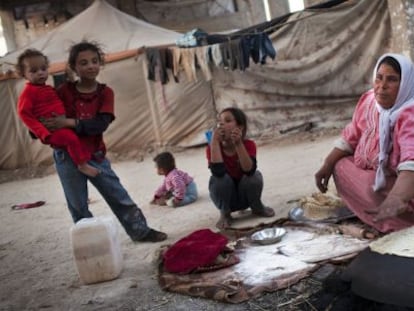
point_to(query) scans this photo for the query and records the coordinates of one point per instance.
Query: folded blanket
(198, 251)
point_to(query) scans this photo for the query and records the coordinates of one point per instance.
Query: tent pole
(153, 106)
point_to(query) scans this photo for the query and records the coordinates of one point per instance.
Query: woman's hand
(398, 198)
(57, 122)
(391, 207)
(322, 177)
(325, 172)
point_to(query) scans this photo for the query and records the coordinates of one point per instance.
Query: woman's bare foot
(224, 221)
(88, 170)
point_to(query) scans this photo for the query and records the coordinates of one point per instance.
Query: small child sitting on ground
(178, 188)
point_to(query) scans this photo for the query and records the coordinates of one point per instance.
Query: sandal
(27, 205)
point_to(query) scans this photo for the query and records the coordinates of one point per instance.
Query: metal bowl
(268, 236)
(297, 214)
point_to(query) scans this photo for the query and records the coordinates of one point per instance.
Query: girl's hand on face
(218, 134)
(236, 136)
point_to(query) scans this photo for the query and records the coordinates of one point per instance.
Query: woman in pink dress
(372, 163)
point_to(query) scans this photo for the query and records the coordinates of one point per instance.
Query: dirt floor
(37, 269)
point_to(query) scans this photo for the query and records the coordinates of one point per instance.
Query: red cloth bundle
(197, 249)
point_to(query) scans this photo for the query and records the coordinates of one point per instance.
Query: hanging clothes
(157, 64)
(202, 55)
(233, 53)
(188, 63)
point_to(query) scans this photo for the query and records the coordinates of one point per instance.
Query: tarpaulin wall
(324, 62)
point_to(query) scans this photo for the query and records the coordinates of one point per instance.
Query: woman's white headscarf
(388, 117)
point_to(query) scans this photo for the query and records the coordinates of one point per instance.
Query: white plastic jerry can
(96, 249)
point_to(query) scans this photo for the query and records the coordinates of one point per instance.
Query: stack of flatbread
(321, 206)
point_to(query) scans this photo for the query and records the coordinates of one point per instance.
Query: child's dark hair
(28, 53)
(239, 116)
(165, 160)
(84, 46)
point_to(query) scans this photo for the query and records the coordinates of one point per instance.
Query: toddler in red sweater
(39, 101)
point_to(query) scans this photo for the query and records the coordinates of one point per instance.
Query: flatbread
(323, 247)
(321, 206)
(400, 243)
